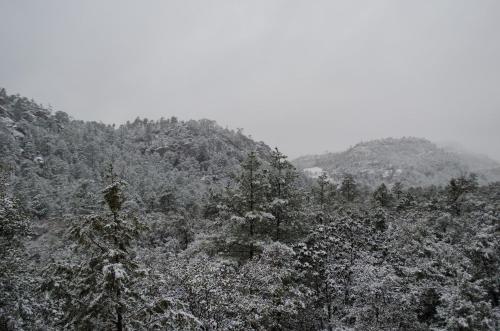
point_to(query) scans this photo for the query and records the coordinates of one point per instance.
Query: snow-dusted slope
(53, 157)
(413, 161)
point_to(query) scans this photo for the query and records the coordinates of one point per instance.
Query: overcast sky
(306, 76)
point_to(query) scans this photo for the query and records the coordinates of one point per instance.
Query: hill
(412, 161)
(56, 159)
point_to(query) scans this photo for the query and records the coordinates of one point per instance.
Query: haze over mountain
(412, 161)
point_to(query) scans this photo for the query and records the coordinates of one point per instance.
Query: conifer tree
(97, 291)
(348, 188)
(284, 201)
(248, 205)
(457, 188)
(321, 191)
(382, 196)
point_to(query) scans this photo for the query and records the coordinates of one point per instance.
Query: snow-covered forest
(184, 225)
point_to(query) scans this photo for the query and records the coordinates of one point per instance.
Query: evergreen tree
(348, 188)
(247, 203)
(382, 196)
(283, 193)
(457, 188)
(322, 191)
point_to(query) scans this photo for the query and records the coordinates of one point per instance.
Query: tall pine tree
(283, 195)
(247, 203)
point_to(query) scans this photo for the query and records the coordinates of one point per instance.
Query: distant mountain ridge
(53, 156)
(412, 161)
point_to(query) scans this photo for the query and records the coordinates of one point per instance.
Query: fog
(307, 76)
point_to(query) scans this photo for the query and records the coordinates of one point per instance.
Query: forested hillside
(55, 159)
(172, 225)
(412, 161)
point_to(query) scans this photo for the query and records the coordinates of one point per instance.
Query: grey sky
(307, 76)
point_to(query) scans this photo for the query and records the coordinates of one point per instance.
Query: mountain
(55, 159)
(412, 161)
(59, 163)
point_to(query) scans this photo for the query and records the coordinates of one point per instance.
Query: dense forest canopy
(184, 225)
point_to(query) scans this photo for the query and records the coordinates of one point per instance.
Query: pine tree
(284, 201)
(348, 188)
(98, 290)
(248, 204)
(457, 188)
(382, 196)
(321, 191)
